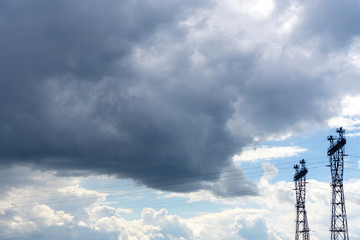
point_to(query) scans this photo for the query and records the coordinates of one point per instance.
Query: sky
(174, 119)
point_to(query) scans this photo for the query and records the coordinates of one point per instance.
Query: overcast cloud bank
(155, 91)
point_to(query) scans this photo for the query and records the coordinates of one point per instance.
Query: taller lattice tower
(339, 226)
(302, 226)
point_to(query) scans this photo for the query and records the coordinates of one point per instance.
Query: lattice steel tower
(339, 227)
(302, 227)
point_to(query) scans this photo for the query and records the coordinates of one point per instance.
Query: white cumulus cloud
(267, 153)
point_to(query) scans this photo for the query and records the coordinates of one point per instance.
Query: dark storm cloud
(138, 90)
(332, 22)
(71, 100)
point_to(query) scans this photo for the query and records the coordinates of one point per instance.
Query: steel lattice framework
(339, 226)
(302, 227)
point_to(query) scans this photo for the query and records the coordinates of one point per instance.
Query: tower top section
(340, 141)
(300, 171)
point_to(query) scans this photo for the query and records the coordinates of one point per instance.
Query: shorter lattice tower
(339, 227)
(302, 226)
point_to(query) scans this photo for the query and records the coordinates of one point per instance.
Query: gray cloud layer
(162, 90)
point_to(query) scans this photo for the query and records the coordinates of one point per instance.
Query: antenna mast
(302, 227)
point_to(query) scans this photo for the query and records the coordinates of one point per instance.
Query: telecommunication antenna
(302, 227)
(339, 226)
